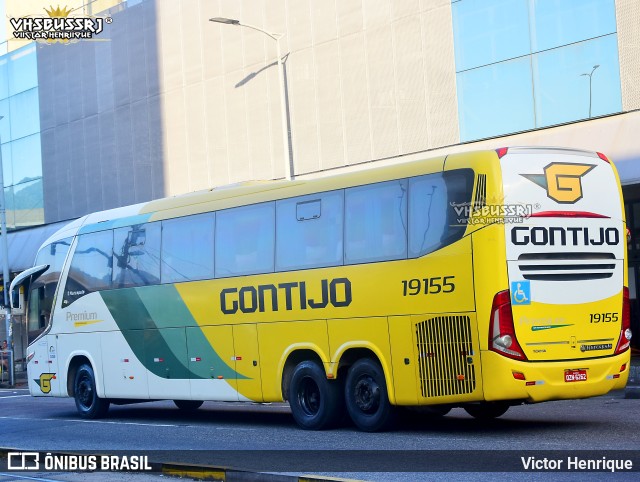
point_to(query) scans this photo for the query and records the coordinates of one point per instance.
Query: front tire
(316, 403)
(188, 405)
(366, 397)
(88, 403)
(487, 410)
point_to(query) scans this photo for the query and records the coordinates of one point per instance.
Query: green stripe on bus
(170, 333)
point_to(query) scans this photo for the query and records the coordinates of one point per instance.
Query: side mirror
(17, 300)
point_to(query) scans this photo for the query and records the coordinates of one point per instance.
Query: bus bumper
(545, 381)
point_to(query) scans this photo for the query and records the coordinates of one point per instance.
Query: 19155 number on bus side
(425, 286)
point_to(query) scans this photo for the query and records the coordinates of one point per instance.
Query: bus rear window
(433, 221)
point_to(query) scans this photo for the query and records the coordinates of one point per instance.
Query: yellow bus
(478, 280)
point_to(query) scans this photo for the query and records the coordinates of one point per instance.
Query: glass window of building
(25, 114)
(28, 205)
(22, 69)
(20, 135)
(572, 84)
(489, 31)
(496, 98)
(525, 64)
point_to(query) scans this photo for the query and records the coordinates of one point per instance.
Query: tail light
(625, 330)
(502, 334)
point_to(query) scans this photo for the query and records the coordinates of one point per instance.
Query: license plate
(575, 375)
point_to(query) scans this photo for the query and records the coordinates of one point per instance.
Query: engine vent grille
(444, 356)
(480, 199)
(566, 266)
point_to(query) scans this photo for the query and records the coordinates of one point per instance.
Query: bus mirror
(17, 300)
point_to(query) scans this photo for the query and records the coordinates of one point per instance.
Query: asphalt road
(605, 425)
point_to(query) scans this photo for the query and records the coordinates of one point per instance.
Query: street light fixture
(589, 75)
(288, 150)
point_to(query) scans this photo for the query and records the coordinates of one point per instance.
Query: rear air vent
(566, 266)
(480, 199)
(445, 353)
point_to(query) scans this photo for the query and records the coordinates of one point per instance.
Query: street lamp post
(288, 150)
(590, 75)
(5, 262)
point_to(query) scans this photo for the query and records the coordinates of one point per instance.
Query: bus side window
(136, 255)
(434, 221)
(42, 291)
(245, 239)
(376, 222)
(309, 231)
(187, 248)
(91, 266)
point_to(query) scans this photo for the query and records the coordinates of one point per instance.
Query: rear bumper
(545, 380)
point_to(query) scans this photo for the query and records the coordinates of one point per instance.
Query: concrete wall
(628, 20)
(174, 103)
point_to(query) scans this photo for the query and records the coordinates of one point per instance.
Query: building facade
(164, 101)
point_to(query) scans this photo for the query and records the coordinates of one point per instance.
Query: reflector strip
(158, 360)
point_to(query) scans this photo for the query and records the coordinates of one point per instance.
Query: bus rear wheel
(487, 410)
(188, 405)
(316, 403)
(366, 397)
(88, 403)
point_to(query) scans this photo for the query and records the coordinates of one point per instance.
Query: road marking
(13, 396)
(90, 421)
(24, 477)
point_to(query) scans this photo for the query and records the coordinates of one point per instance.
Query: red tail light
(625, 330)
(502, 334)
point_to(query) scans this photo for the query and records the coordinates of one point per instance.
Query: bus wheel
(316, 403)
(366, 396)
(88, 403)
(487, 410)
(188, 405)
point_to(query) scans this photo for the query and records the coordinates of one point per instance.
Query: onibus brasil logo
(60, 25)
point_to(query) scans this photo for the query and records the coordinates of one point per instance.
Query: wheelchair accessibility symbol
(521, 292)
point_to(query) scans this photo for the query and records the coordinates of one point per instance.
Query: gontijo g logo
(60, 25)
(562, 181)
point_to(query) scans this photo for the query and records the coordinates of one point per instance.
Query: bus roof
(250, 192)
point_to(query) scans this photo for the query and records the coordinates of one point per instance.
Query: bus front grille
(566, 266)
(445, 353)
